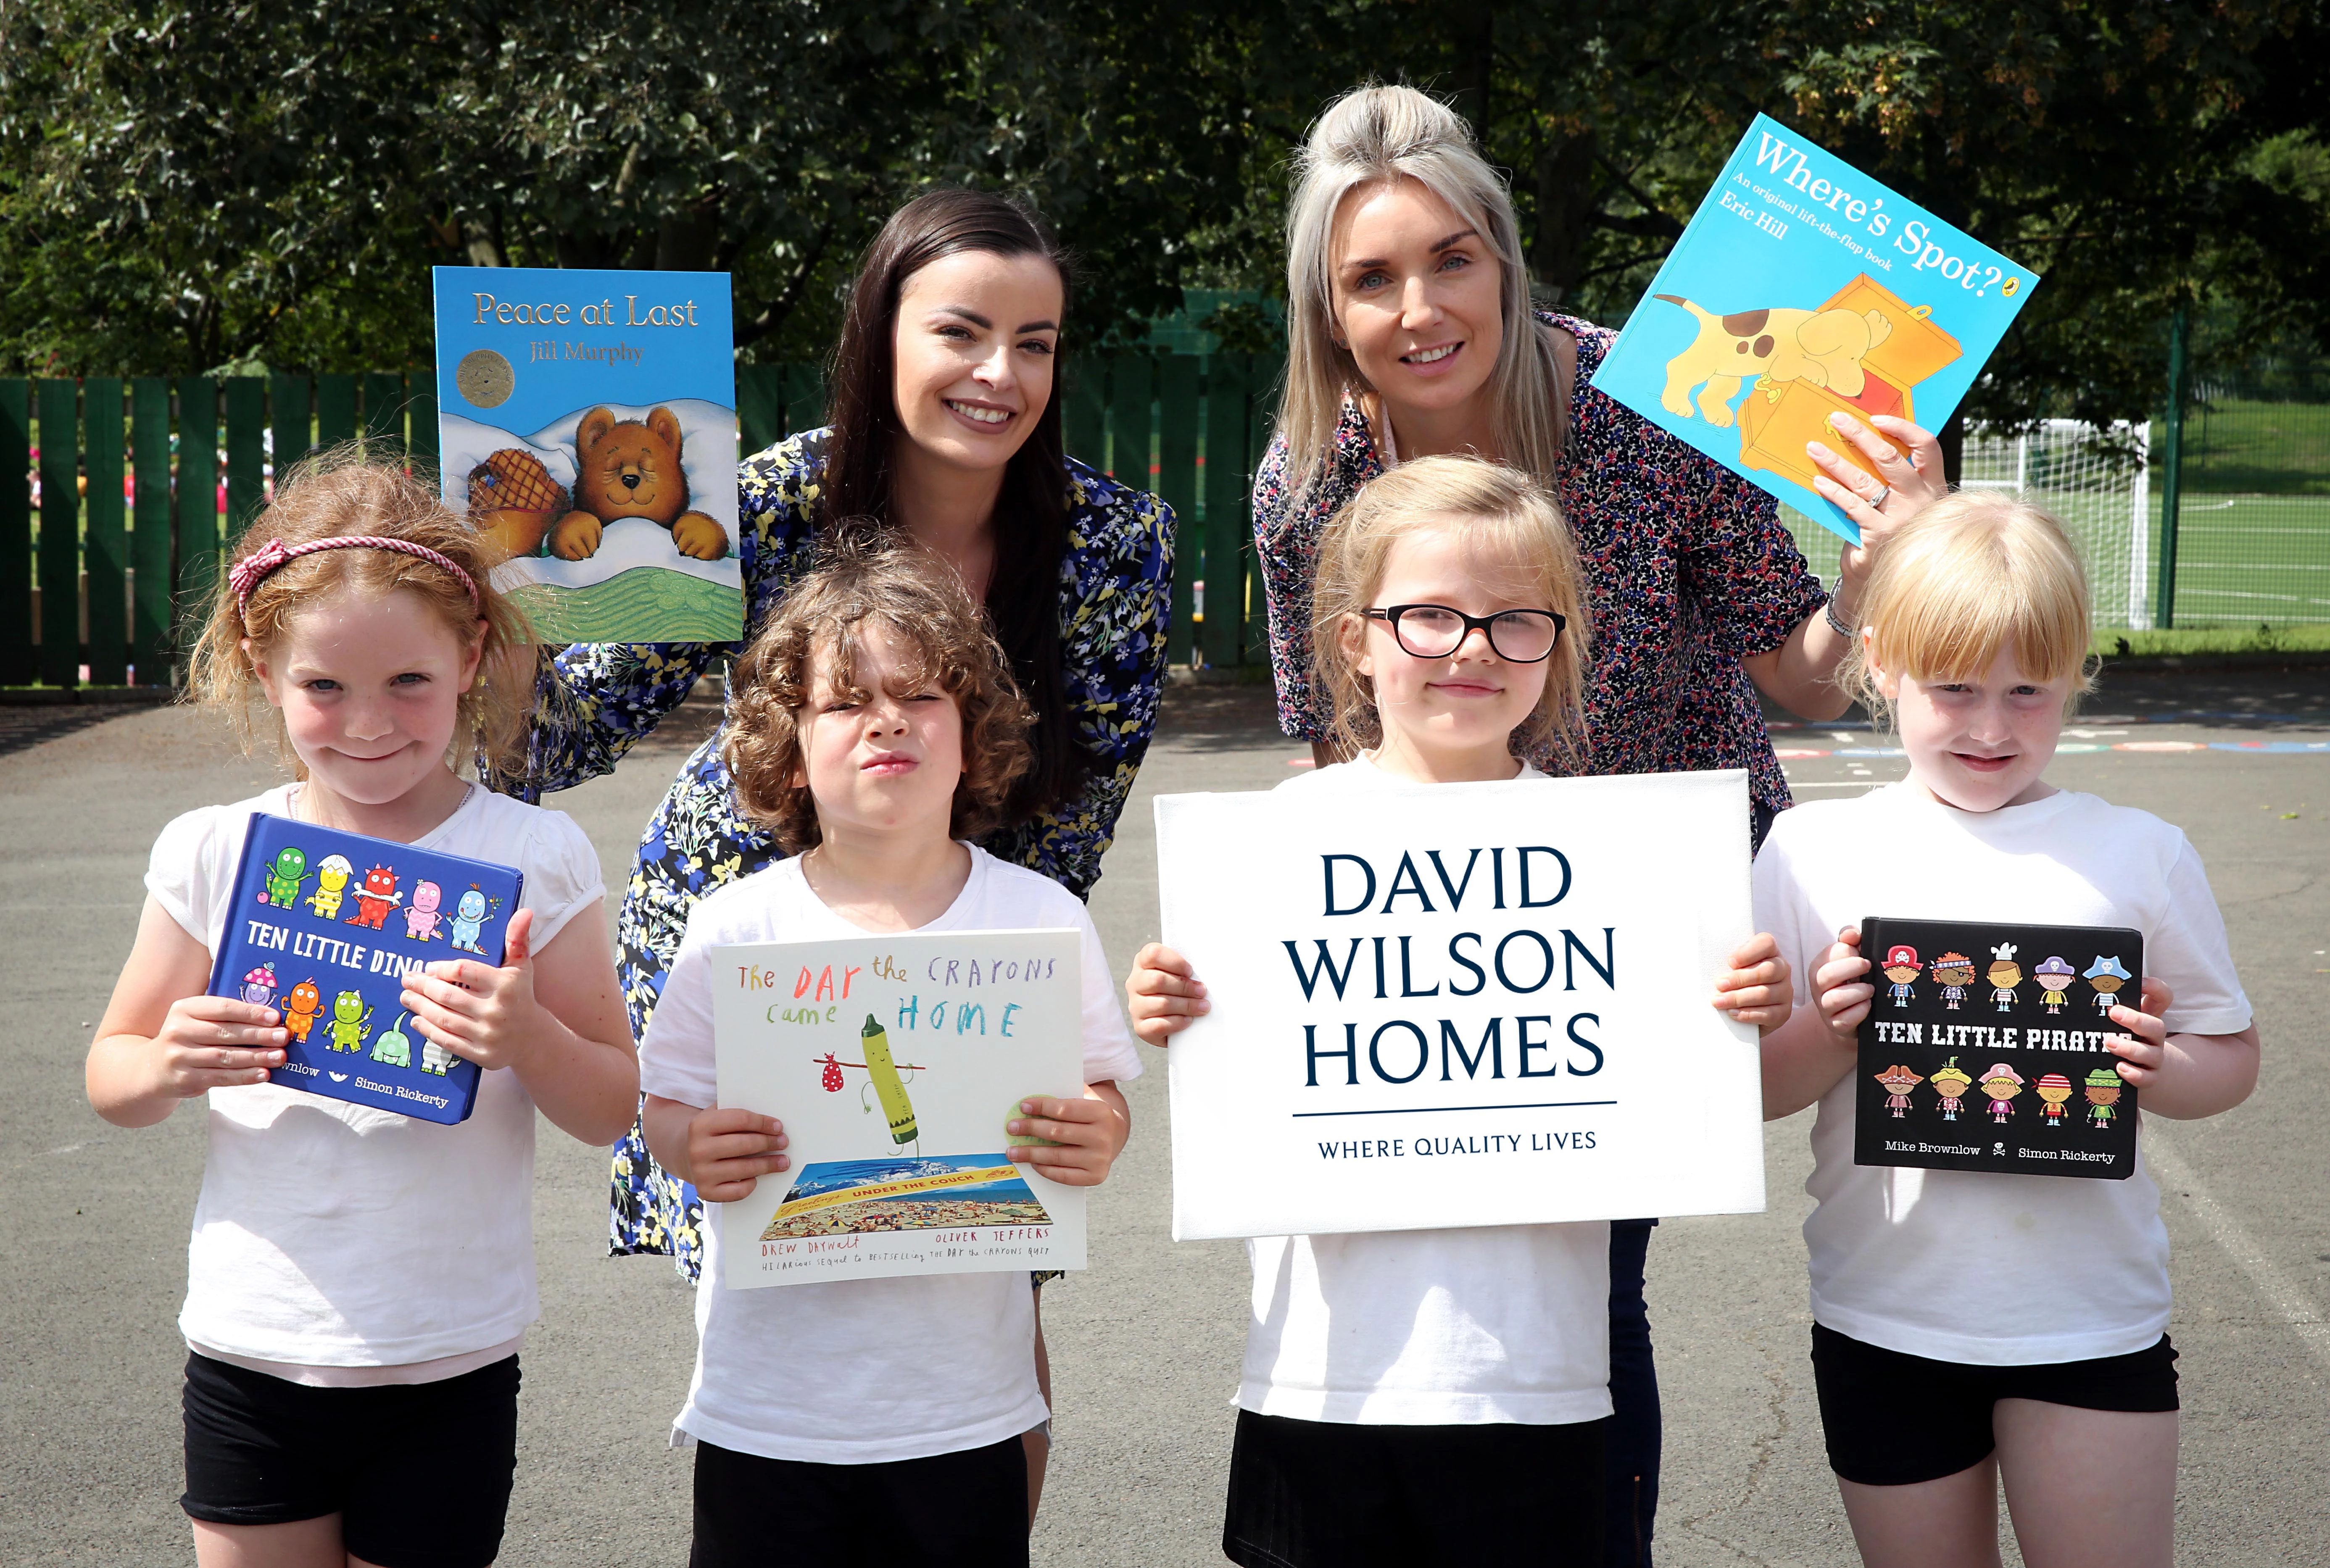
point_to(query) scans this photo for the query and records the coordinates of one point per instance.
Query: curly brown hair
(861, 578)
(333, 495)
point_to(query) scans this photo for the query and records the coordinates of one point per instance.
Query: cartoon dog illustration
(1824, 347)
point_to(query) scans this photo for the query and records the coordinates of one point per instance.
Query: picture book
(587, 421)
(1801, 287)
(1983, 1048)
(325, 927)
(893, 1062)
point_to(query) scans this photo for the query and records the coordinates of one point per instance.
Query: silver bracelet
(1835, 624)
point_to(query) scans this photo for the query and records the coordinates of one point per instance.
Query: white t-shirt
(1457, 1327)
(1995, 1269)
(862, 1371)
(335, 1243)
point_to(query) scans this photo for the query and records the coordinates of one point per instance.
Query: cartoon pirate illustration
(299, 1009)
(2054, 976)
(2103, 1089)
(2002, 1083)
(1955, 973)
(2108, 975)
(1951, 1082)
(2052, 1090)
(1898, 1081)
(375, 897)
(1901, 966)
(258, 986)
(284, 877)
(2004, 975)
(421, 920)
(331, 886)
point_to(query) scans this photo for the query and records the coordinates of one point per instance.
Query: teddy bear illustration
(1824, 347)
(632, 468)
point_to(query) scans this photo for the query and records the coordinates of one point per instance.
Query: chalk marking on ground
(2290, 1301)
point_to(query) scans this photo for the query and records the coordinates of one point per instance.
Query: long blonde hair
(1376, 135)
(1519, 536)
(1970, 575)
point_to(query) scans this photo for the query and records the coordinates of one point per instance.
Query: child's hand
(1163, 994)
(1084, 1135)
(1757, 988)
(2144, 1048)
(487, 1016)
(208, 1042)
(730, 1149)
(1843, 996)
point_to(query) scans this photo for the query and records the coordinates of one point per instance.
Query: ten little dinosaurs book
(893, 1062)
(587, 421)
(1802, 288)
(1983, 1048)
(324, 927)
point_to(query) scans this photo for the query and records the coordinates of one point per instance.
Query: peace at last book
(587, 422)
(1983, 1048)
(1800, 288)
(325, 927)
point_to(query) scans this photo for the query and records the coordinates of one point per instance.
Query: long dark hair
(1031, 534)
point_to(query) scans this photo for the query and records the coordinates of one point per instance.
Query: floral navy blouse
(597, 700)
(1687, 569)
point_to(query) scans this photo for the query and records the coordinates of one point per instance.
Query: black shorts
(419, 1473)
(1894, 1420)
(1318, 1494)
(959, 1510)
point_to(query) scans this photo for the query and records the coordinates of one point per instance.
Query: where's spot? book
(587, 422)
(1802, 287)
(1983, 1048)
(324, 927)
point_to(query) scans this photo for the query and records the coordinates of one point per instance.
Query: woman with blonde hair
(1411, 333)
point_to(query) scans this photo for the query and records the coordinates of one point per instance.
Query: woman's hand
(1903, 485)
(1757, 987)
(482, 1014)
(1083, 1136)
(1163, 994)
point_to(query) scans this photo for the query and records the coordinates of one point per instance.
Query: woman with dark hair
(945, 428)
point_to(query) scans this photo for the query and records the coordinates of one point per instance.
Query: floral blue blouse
(597, 700)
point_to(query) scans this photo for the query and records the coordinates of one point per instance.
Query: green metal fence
(117, 496)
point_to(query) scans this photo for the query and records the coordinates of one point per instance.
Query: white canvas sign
(1438, 1005)
(893, 1062)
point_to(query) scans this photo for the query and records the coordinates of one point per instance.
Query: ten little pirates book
(893, 1062)
(324, 927)
(1801, 287)
(587, 421)
(1983, 1048)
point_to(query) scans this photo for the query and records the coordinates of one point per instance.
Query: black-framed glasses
(1434, 631)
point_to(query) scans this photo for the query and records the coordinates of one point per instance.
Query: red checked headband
(254, 568)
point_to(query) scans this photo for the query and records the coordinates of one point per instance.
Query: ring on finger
(1884, 494)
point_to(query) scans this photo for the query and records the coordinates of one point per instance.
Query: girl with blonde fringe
(1972, 1329)
(359, 1283)
(1410, 332)
(1433, 1396)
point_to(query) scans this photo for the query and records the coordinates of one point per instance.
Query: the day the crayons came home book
(1802, 287)
(1983, 1048)
(325, 927)
(587, 421)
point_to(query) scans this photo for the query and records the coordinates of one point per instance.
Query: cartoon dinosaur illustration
(391, 1046)
(375, 897)
(258, 986)
(350, 1018)
(435, 1058)
(469, 917)
(331, 885)
(421, 920)
(299, 1009)
(283, 879)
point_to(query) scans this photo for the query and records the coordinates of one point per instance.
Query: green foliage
(189, 182)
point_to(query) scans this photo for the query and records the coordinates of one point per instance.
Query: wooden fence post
(760, 407)
(152, 630)
(1128, 421)
(336, 410)
(246, 451)
(291, 399)
(1177, 485)
(1083, 410)
(198, 533)
(1225, 634)
(58, 403)
(383, 395)
(18, 657)
(1261, 404)
(106, 553)
(422, 454)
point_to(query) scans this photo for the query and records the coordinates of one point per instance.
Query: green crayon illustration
(889, 1087)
